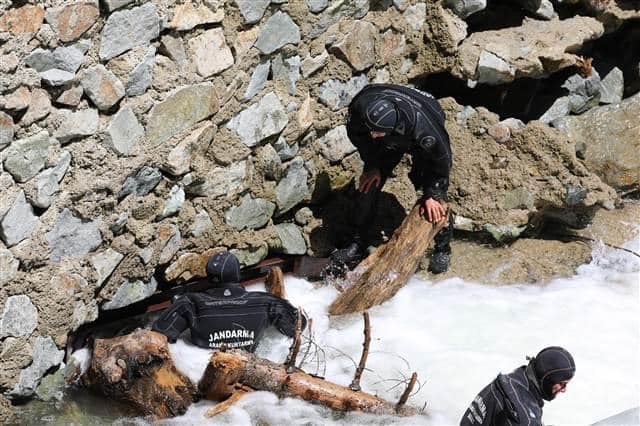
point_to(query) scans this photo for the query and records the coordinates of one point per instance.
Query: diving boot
(344, 260)
(439, 262)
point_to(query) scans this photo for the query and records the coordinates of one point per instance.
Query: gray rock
(124, 132)
(258, 80)
(337, 94)
(358, 45)
(173, 47)
(131, 292)
(71, 21)
(335, 144)
(26, 157)
(293, 188)
(252, 213)
(584, 93)
(72, 237)
(575, 195)
(278, 31)
(251, 255)
(6, 130)
(261, 120)
(272, 164)
(19, 317)
(288, 71)
(77, 124)
(561, 107)
(57, 77)
(201, 224)
(614, 159)
(102, 87)
(504, 233)
(339, 9)
(19, 222)
(141, 183)
(540, 8)
(284, 150)
(187, 16)
(48, 182)
(39, 107)
(612, 87)
(494, 70)
(465, 8)
(71, 97)
(210, 52)
(45, 356)
(416, 15)
(8, 266)
(252, 10)
(66, 58)
(118, 226)
(316, 6)
(105, 263)
(513, 123)
(220, 181)
(174, 202)
(312, 64)
(141, 76)
(180, 110)
(129, 28)
(291, 239)
(116, 4)
(145, 255)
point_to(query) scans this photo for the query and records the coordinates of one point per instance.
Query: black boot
(439, 262)
(343, 260)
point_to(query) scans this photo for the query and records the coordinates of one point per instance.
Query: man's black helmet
(381, 115)
(552, 366)
(223, 269)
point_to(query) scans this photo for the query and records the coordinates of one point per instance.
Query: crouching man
(226, 314)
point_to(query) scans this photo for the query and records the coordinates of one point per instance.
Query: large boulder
(534, 49)
(608, 138)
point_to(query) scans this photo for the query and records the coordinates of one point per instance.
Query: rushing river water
(457, 336)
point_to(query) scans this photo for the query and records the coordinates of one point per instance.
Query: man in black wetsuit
(385, 122)
(517, 398)
(227, 314)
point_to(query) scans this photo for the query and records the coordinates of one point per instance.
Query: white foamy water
(458, 336)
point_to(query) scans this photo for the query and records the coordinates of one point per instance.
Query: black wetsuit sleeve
(485, 409)
(176, 319)
(283, 316)
(359, 136)
(432, 153)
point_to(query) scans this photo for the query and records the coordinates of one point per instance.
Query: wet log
(226, 369)
(274, 282)
(137, 369)
(378, 277)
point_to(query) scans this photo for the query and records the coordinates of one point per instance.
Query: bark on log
(378, 277)
(274, 282)
(137, 369)
(262, 374)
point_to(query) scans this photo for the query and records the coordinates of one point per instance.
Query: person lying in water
(226, 314)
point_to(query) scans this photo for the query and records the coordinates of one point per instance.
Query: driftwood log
(137, 369)
(378, 277)
(225, 369)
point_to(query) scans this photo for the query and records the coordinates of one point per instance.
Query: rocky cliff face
(135, 135)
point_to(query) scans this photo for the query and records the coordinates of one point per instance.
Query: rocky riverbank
(134, 134)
